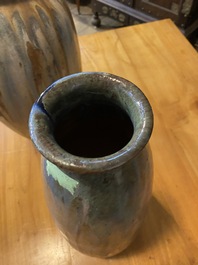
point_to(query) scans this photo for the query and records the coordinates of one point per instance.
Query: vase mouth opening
(91, 121)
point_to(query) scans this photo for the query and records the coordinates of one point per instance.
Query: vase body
(38, 46)
(97, 192)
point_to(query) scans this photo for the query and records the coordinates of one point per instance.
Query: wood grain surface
(157, 58)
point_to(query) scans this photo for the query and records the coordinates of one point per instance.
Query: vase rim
(42, 136)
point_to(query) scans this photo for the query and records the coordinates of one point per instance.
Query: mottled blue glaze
(97, 203)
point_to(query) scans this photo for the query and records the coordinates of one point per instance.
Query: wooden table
(157, 58)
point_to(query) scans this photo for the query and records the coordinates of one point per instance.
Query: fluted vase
(38, 46)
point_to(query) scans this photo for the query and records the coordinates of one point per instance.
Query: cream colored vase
(38, 46)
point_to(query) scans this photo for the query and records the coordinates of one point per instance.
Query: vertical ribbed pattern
(38, 45)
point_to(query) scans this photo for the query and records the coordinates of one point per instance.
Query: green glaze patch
(63, 179)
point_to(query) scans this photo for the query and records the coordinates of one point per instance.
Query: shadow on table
(157, 222)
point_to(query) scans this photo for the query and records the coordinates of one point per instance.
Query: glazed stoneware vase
(38, 46)
(92, 130)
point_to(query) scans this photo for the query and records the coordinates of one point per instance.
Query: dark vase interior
(93, 128)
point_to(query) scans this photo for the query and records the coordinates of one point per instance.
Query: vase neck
(91, 121)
